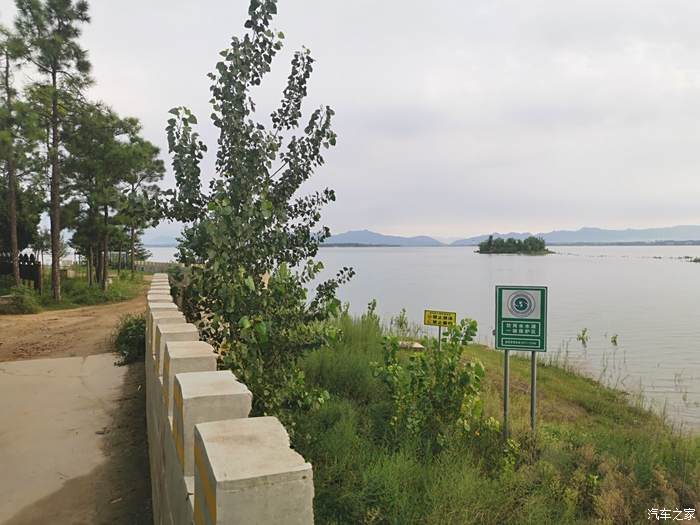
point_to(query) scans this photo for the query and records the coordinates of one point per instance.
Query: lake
(649, 296)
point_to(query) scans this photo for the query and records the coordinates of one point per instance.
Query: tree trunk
(131, 250)
(11, 178)
(89, 265)
(105, 250)
(119, 259)
(98, 262)
(55, 195)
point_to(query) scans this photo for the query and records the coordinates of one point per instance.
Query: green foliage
(583, 337)
(461, 334)
(112, 174)
(21, 198)
(435, 395)
(252, 237)
(594, 459)
(48, 32)
(21, 300)
(77, 292)
(129, 338)
(30, 205)
(531, 245)
(347, 373)
(401, 327)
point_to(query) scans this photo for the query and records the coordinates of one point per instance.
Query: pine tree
(8, 51)
(49, 30)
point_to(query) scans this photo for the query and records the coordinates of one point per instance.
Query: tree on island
(530, 246)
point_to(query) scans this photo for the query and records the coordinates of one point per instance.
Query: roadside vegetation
(597, 456)
(129, 339)
(74, 159)
(530, 246)
(76, 292)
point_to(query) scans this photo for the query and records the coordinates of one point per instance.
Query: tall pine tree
(50, 30)
(8, 49)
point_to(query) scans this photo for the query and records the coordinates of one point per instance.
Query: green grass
(597, 457)
(75, 293)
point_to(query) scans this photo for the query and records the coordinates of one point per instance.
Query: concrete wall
(211, 463)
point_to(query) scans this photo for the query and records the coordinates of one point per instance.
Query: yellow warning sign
(438, 318)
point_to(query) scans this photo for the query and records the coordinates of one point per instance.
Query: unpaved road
(63, 333)
(72, 434)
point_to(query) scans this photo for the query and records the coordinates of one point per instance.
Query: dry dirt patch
(78, 332)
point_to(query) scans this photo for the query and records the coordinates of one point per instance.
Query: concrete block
(159, 305)
(174, 484)
(171, 332)
(200, 397)
(154, 394)
(153, 307)
(180, 357)
(246, 473)
(167, 317)
(159, 298)
(157, 317)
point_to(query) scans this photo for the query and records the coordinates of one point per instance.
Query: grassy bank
(75, 293)
(597, 457)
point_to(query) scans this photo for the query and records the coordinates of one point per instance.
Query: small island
(530, 246)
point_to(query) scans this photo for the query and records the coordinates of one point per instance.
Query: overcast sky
(456, 117)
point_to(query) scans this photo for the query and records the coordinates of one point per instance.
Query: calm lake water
(648, 296)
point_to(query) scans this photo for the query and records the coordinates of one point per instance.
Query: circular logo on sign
(521, 304)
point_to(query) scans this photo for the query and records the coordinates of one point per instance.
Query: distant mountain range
(669, 235)
(366, 237)
(672, 234)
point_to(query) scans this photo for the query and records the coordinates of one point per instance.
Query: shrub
(20, 301)
(434, 396)
(129, 338)
(343, 368)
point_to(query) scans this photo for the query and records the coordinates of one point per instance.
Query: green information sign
(521, 318)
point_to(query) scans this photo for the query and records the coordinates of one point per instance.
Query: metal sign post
(533, 390)
(506, 389)
(439, 318)
(521, 324)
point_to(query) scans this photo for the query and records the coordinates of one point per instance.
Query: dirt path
(73, 435)
(63, 333)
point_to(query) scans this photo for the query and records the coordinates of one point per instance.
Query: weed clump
(21, 300)
(129, 338)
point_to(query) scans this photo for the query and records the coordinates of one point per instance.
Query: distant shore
(630, 243)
